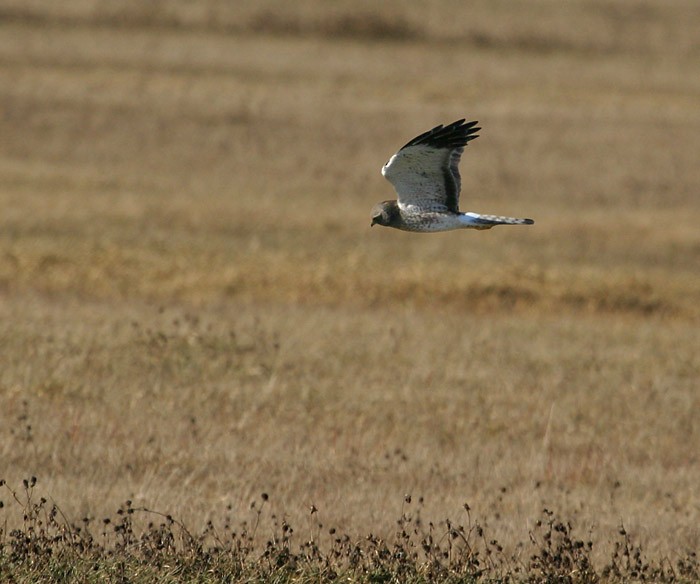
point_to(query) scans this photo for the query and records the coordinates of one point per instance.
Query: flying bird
(425, 175)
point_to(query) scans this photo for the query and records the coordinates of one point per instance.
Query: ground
(194, 309)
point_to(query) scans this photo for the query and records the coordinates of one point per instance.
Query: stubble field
(194, 310)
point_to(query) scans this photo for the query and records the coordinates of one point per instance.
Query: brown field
(194, 310)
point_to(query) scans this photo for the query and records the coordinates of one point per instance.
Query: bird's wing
(425, 171)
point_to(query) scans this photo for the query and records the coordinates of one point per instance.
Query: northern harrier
(425, 174)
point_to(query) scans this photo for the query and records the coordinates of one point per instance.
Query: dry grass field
(194, 310)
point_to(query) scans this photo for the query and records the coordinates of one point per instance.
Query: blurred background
(194, 309)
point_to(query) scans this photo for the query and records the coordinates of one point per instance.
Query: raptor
(425, 175)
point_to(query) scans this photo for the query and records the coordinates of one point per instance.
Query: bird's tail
(478, 221)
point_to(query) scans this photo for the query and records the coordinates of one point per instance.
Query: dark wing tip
(528, 221)
(454, 135)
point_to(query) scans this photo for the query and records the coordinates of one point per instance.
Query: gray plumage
(425, 175)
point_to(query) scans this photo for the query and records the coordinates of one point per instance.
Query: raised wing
(425, 171)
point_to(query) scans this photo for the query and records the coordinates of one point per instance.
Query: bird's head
(385, 213)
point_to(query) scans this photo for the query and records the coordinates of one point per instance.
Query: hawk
(425, 175)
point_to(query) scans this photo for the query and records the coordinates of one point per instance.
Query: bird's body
(425, 174)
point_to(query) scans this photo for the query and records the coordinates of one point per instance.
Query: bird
(425, 175)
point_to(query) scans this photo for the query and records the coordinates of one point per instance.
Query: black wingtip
(454, 135)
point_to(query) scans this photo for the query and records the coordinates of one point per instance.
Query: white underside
(471, 219)
(438, 218)
(432, 221)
